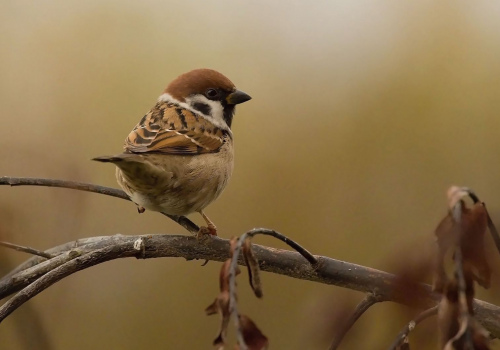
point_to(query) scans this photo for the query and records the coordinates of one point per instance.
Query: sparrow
(179, 157)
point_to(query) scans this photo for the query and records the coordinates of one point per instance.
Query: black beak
(237, 97)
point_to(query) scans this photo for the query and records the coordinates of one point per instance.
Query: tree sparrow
(179, 158)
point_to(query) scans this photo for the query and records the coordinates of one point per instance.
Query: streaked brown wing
(169, 129)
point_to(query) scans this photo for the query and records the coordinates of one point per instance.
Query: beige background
(363, 113)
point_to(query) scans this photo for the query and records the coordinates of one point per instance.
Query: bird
(180, 156)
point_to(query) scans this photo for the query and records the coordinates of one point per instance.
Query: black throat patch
(228, 113)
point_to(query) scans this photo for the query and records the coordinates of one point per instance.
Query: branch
(233, 305)
(66, 269)
(81, 186)
(37, 274)
(283, 262)
(368, 301)
(28, 250)
(403, 335)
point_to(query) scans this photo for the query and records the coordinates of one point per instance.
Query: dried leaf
(448, 313)
(452, 326)
(474, 225)
(470, 234)
(253, 268)
(456, 194)
(411, 266)
(254, 339)
(479, 337)
(221, 303)
(221, 306)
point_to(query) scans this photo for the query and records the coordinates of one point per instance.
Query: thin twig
(58, 251)
(26, 249)
(459, 272)
(403, 335)
(267, 232)
(81, 186)
(368, 301)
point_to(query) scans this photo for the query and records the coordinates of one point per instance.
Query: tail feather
(132, 164)
(107, 159)
(118, 158)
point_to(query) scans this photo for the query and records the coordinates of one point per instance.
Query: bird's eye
(212, 93)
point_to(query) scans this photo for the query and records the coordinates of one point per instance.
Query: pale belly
(179, 185)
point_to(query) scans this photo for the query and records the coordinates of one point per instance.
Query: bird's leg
(210, 229)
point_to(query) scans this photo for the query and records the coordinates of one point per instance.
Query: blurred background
(363, 114)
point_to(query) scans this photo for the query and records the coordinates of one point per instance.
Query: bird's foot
(211, 230)
(140, 209)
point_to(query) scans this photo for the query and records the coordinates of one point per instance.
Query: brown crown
(197, 82)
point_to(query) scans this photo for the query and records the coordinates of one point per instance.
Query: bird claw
(140, 210)
(210, 230)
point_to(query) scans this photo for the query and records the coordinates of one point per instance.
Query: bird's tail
(116, 159)
(134, 166)
(108, 159)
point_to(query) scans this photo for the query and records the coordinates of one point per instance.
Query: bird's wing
(170, 129)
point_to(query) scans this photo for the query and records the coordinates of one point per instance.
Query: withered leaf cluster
(225, 303)
(460, 262)
(461, 233)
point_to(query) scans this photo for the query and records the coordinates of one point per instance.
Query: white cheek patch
(216, 116)
(216, 109)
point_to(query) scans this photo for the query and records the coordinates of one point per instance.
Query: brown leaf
(452, 326)
(478, 337)
(254, 339)
(221, 303)
(455, 194)
(221, 306)
(469, 233)
(411, 266)
(448, 313)
(253, 268)
(474, 225)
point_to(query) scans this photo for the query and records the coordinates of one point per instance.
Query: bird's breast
(186, 183)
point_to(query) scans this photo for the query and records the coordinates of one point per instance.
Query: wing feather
(170, 129)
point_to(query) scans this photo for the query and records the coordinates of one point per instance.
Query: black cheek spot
(202, 107)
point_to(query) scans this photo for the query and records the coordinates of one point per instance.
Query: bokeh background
(363, 114)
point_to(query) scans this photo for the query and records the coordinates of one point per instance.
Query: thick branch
(292, 264)
(38, 274)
